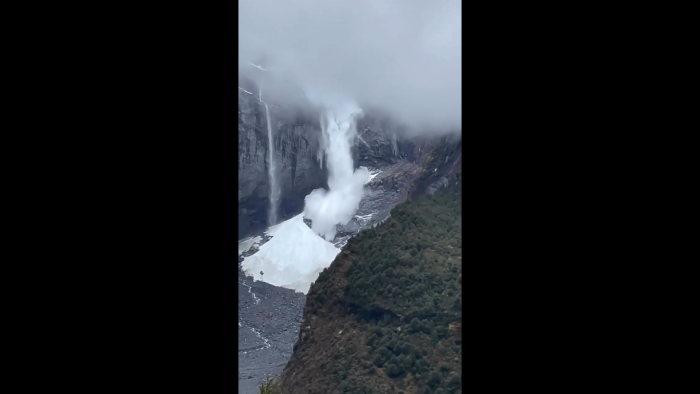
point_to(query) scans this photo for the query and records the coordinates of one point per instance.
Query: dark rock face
(444, 160)
(296, 147)
(378, 144)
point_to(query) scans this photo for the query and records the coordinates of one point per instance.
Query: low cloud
(401, 56)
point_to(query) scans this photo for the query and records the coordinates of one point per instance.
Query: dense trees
(408, 273)
(404, 289)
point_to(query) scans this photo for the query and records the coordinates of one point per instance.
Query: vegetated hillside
(386, 316)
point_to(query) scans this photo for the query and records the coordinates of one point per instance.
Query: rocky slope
(268, 324)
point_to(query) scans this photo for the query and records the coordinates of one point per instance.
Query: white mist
(326, 209)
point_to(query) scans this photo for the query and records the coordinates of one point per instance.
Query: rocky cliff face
(296, 138)
(378, 143)
(296, 147)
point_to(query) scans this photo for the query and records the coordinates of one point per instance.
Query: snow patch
(364, 217)
(245, 90)
(258, 67)
(272, 230)
(293, 258)
(373, 172)
(246, 244)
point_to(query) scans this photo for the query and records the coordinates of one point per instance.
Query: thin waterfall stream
(271, 167)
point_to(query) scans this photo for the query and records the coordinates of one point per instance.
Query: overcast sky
(403, 56)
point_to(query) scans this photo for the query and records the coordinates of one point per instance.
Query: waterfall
(338, 204)
(272, 169)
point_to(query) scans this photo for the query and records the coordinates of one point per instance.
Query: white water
(272, 171)
(327, 209)
(361, 139)
(271, 164)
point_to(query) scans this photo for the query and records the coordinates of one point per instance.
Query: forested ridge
(386, 316)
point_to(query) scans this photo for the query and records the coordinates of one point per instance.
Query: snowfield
(293, 258)
(246, 244)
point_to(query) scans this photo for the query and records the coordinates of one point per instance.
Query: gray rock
(296, 146)
(435, 186)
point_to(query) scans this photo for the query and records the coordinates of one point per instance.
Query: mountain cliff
(296, 146)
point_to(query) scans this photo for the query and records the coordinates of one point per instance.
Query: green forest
(403, 288)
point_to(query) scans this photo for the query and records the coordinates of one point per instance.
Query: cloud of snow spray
(326, 209)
